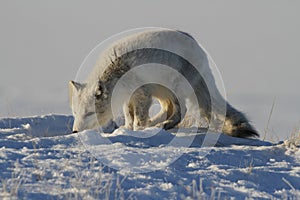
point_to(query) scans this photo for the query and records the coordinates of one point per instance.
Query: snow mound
(41, 159)
(38, 126)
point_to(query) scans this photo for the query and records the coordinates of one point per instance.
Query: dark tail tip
(75, 132)
(246, 133)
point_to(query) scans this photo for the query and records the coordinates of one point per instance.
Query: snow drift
(40, 158)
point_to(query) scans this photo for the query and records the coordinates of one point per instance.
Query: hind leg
(174, 113)
(171, 113)
(161, 116)
(176, 117)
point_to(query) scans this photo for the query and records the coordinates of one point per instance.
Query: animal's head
(89, 105)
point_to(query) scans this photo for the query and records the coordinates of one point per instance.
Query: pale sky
(255, 45)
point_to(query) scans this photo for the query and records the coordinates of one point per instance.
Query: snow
(41, 159)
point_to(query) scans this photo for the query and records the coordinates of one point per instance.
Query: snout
(78, 125)
(75, 129)
(84, 124)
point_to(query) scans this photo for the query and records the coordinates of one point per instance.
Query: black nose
(75, 131)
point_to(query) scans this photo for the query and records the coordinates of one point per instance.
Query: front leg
(141, 114)
(128, 113)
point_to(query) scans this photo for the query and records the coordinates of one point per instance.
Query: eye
(89, 114)
(99, 91)
(98, 95)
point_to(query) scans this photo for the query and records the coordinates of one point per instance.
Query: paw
(165, 125)
(159, 125)
(138, 128)
(129, 127)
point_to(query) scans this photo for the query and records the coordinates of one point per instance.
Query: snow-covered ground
(41, 159)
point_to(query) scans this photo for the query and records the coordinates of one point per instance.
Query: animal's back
(164, 46)
(176, 42)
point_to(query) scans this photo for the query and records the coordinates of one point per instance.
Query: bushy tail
(236, 124)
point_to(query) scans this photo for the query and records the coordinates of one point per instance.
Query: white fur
(89, 112)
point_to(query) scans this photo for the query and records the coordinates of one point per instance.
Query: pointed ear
(73, 87)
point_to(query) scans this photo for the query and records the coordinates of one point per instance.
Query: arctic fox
(91, 101)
